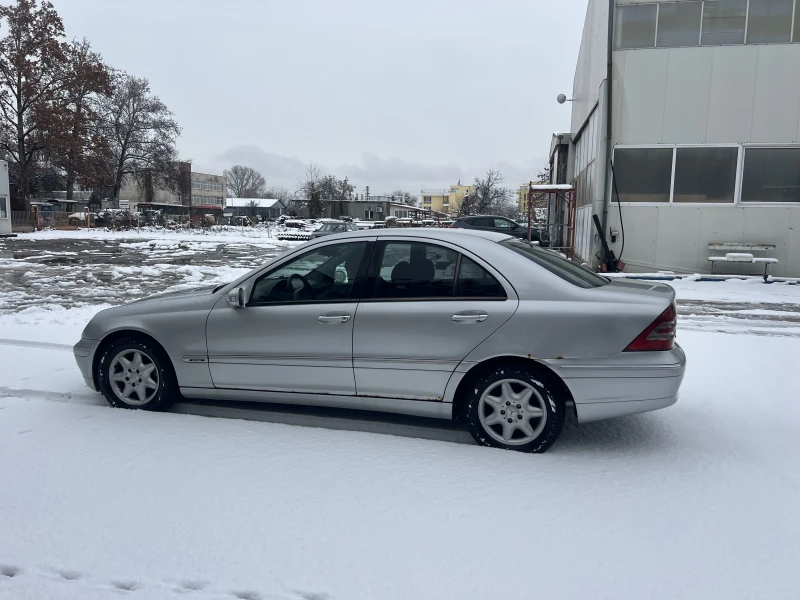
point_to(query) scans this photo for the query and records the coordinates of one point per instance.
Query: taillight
(659, 335)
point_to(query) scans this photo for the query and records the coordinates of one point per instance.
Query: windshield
(566, 269)
(332, 227)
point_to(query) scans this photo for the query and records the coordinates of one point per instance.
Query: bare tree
(404, 197)
(252, 205)
(244, 182)
(488, 197)
(32, 74)
(280, 194)
(141, 131)
(310, 188)
(83, 151)
(543, 176)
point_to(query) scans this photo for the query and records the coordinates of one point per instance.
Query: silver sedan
(476, 326)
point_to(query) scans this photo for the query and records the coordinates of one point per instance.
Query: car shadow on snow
(645, 432)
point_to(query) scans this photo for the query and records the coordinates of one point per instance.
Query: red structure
(561, 214)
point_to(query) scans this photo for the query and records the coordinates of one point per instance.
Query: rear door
(428, 305)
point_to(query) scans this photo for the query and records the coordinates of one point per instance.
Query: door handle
(333, 319)
(469, 317)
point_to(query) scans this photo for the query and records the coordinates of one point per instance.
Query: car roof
(435, 233)
(486, 216)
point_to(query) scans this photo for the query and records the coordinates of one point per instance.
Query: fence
(22, 220)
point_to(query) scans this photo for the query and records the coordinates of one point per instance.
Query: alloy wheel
(512, 412)
(133, 376)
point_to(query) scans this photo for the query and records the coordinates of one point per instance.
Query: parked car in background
(331, 227)
(446, 323)
(503, 225)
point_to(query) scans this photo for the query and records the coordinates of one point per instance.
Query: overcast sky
(400, 93)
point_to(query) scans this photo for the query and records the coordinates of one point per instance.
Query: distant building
(445, 200)
(208, 190)
(267, 208)
(377, 208)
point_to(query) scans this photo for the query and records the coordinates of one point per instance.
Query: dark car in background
(331, 227)
(503, 225)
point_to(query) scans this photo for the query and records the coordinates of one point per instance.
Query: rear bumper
(624, 385)
(84, 356)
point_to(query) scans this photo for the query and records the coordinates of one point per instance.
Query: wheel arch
(460, 395)
(115, 336)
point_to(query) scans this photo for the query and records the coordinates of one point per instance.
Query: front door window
(324, 274)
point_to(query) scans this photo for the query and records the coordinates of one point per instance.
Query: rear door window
(415, 270)
(476, 282)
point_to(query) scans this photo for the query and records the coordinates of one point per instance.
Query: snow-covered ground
(696, 501)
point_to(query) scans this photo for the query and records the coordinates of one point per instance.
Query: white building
(703, 131)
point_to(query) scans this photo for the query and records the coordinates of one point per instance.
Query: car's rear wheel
(134, 373)
(515, 408)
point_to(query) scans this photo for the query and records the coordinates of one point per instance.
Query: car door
(425, 309)
(295, 332)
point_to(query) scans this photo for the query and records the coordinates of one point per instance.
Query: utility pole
(530, 197)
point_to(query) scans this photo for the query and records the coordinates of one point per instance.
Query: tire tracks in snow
(29, 344)
(60, 582)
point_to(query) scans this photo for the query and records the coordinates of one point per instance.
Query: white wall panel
(687, 94)
(677, 237)
(793, 243)
(777, 94)
(730, 104)
(617, 95)
(590, 70)
(643, 96)
(641, 228)
(583, 233)
(677, 241)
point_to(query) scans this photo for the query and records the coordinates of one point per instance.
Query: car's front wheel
(135, 373)
(515, 408)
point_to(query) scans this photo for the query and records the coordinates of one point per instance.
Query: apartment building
(445, 200)
(208, 190)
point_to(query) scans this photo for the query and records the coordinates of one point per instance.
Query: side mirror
(236, 297)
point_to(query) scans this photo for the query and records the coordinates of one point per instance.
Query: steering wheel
(306, 286)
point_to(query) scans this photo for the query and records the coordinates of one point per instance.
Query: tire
(496, 409)
(122, 393)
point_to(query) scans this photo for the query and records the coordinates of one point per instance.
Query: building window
(426, 199)
(679, 24)
(769, 21)
(635, 26)
(797, 22)
(771, 175)
(724, 22)
(642, 174)
(705, 174)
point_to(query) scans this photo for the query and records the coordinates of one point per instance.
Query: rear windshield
(332, 227)
(566, 269)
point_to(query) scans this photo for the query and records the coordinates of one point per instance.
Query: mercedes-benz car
(481, 327)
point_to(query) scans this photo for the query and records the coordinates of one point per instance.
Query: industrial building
(697, 105)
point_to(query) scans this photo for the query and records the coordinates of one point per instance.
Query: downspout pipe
(608, 108)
